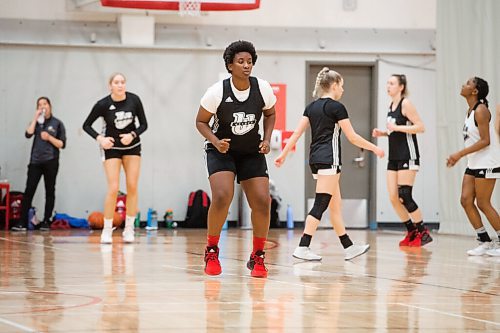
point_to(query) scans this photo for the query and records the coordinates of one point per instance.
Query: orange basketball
(96, 220)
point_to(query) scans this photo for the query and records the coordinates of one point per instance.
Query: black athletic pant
(35, 171)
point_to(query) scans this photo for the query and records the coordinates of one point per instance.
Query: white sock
(108, 223)
(129, 221)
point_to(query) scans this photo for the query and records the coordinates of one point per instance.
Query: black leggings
(35, 171)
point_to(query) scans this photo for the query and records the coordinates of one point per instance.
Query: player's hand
(45, 136)
(126, 139)
(379, 152)
(222, 145)
(264, 147)
(392, 127)
(106, 142)
(378, 133)
(453, 159)
(280, 160)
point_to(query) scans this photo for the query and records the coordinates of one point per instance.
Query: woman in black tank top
(327, 118)
(235, 149)
(403, 123)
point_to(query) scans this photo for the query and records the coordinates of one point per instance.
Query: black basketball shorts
(244, 166)
(119, 153)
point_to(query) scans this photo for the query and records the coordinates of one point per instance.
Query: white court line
(245, 277)
(450, 314)
(16, 325)
(35, 244)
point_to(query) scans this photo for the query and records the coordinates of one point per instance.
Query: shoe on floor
(107, 235)
(354, 251)
(480, 250)
(128, 235)
(212, 263)
(18, 227)
(410, 236)
(256, 264)
(44, 226)
(305, 253)
(421, 238)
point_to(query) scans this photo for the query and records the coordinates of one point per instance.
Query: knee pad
(320, 205)
(404, 192)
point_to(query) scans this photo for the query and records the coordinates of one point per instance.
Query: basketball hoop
(189, 7)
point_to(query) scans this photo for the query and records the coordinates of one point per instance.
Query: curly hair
(237, 47)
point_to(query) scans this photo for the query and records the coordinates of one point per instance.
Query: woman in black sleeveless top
(403, 124)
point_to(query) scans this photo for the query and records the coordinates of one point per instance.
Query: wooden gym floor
(66, 281)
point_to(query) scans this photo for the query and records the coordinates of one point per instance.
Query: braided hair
(326, 77)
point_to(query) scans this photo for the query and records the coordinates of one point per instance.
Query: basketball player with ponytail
(403, 125)
(121, 146)
(327, 118)
(483, 165)
(234, 149)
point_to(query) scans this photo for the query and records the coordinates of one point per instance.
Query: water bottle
(225, 226)
(169, 218)
(41, 117)
(154, 220)
(151, 217)
(289, 217)
(137, 221)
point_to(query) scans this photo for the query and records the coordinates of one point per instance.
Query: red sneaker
(256, 264)
(421, 239)
(212, 263)
(410, 236)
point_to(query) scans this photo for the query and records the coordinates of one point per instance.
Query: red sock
(258, 243)
(212, 240)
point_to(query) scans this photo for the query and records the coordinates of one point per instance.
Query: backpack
(197, 211)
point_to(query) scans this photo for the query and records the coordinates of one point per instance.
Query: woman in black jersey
(403, 124)
(121, 147)
(234, 149)
(327, 118)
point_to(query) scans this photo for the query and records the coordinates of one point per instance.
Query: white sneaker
(305, 253)
(494, 250)
(107, 235)
(480, 250)
(355, 250)
(128, 235)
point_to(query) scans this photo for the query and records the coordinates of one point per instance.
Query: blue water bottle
(149, 218)
(289, 217)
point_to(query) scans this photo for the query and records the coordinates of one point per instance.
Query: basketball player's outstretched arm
(409, 111)
(301, 127)
(202, 119)
(482, 117)
(357, 140)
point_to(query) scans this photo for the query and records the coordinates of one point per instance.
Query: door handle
(360, 160)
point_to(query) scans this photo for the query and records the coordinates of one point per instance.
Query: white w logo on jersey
(243, 123)
(123, 119)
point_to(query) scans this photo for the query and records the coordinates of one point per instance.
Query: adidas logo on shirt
(112, 107)
(229, 99)
(405, 165)
(481, 172)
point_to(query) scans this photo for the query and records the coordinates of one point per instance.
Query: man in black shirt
(49, 136)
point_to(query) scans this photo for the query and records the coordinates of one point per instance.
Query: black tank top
(239, 121)
(402, 146)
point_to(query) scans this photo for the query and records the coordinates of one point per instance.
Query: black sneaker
(18, 227)
(44, 226)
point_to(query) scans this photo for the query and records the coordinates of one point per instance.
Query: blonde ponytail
(326, 77)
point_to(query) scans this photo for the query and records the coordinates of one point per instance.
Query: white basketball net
(190, 7)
